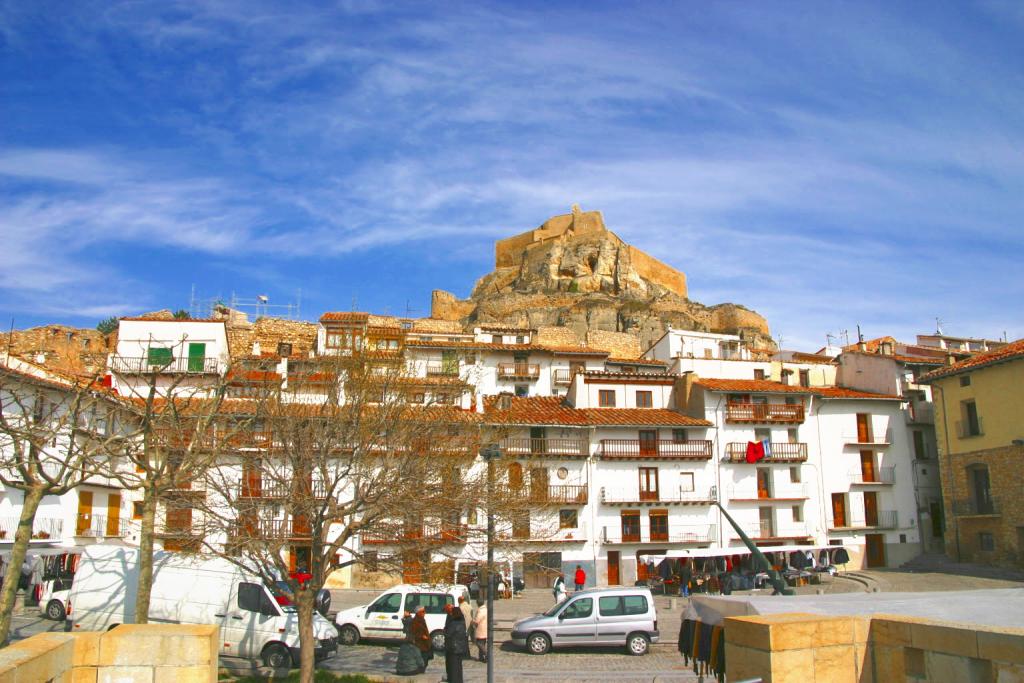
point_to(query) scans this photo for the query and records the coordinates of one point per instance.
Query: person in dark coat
(419, 633)
(456, 643)
(409, 661)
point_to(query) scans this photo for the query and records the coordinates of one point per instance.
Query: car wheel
(538, 644)
(348, 635)
(437, 639)
(637, 644)
(55, 610)
(276, 656)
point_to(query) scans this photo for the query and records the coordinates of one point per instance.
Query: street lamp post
(490, 453)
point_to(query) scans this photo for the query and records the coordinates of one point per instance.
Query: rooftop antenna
(938, 327)
(860, 337)
(10, 340)
(409, 310)
(353, 303)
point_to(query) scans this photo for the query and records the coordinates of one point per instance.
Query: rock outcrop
(573, 272)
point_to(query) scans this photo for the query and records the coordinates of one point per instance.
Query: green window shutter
(159, 356)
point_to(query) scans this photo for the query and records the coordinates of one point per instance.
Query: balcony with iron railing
(782, 452)
(561, 376)
(683, 534)
(878, 476)
(381, 534)
(43, 528)
(634, 496)
(519, 371)
(765, 413)
(973, 507)
(141, 365)
(664, 449)
(767, 530)
(562, 448)
(783, 493)
(101, 526)
(872, 438)
(560, 494)
(298, 529)
(883, 519)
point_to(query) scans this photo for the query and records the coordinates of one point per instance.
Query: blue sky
(826, 164)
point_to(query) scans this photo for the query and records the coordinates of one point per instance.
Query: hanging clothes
(755, 451)
(840, 556)
(766, 448)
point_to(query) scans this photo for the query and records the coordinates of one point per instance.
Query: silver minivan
(599, 616)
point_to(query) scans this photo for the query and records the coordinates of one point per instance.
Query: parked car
(598, 616)
(188, 590)
(382, 618)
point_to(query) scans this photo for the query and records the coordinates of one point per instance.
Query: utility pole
(490, 453)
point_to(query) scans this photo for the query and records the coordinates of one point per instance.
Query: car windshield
(554, 610)
(280, 592)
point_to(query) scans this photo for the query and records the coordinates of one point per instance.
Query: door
(540, 569)
(863, 428)
(982, 490)
(539, 487)
(114, 514)
(84, 522)
(618, 615)
(196, 357)
(576, 623)
(449, 362)
(867, 466)
(764, 482)
(874, 545)
(538, 441)
(383, 618)
(515, 476)
(252, 479)
(648, 442)
(767, 520)
(871, 508)
(649, 483)
(613, 567)
(838, 510)
(250, 614)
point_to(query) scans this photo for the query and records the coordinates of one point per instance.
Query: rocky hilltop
(573, 272)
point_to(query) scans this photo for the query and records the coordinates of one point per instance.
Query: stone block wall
(140, 653)
(1006, 522)
(657, 272)
(780, 648)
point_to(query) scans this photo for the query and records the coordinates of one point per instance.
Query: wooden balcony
(555, 494)
(765, 413)
(880, 476)
(695, 534)
(292, 529)
(662, 449)
(781, 452)
(386, 534)
(561, 448)
(443, 369)
(635, 497)
(273, 489)
(519, 371)
(140, 365)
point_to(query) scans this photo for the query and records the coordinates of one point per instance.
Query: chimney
(504, 401)
(886, 348)
(683, 387)
(950, 359)
(861, 346)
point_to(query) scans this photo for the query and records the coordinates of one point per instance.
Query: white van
(189, 590)
(382, 618)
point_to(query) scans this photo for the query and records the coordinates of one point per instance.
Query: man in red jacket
(581, 578)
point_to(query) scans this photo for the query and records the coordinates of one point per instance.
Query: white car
(382, 618)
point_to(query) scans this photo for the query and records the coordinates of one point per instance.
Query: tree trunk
(22, 536)
(307, 641)
(146, 532)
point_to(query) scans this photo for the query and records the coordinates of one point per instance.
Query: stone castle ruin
(573, 272)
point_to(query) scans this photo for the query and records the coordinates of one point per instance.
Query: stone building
(979, 421)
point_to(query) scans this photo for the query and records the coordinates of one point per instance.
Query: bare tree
(178, 431)
(335, 461)
(55, 434)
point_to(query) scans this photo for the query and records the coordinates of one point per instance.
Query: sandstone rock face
(590, 280)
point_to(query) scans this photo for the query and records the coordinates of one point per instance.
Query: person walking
(419, 632)
(466, 609)
(558, 589)
(456, 644)
(480, 632)
(580, 579)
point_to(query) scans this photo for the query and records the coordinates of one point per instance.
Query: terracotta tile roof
(552, 410)
(902, 358)
(1011, 351)
(801, 357)
(843, 392)
(637, 361)
(633, 377)
(758, 386)
(344, 317)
